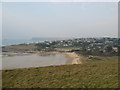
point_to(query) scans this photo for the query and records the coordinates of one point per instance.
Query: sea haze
(27, 20)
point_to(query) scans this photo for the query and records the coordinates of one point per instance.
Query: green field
(22, 47)
(91, 74)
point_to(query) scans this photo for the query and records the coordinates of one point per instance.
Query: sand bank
(74, 58)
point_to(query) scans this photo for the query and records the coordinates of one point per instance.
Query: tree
(109, 48)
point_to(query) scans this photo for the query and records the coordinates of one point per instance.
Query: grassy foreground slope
(95, 74)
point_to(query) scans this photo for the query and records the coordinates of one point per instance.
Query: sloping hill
(92, 74)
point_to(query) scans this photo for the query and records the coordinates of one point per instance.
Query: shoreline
(74, 58)
(41, 53)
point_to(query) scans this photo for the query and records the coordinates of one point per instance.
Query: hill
(91, 74)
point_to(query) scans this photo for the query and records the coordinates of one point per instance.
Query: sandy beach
(75, 59)
(39, 59)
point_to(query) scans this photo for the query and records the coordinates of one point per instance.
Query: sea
(6, 42)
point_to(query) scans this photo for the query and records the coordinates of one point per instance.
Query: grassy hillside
(21, 47)
(91, 74)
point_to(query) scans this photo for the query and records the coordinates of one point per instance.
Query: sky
(25, 20)
(59, 0)
(0, 24)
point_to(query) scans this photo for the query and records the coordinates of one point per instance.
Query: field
(91, 74)
(21, 47)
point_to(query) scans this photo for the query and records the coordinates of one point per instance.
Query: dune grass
(92, 74)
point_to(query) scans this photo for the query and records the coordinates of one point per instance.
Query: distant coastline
(6, 42)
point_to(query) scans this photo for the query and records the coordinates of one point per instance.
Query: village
(91, 46)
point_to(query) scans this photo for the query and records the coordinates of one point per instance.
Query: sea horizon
(6, 42)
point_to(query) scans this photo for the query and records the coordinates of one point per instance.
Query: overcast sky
(55, 19)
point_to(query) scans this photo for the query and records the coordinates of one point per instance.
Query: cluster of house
(88, 44)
